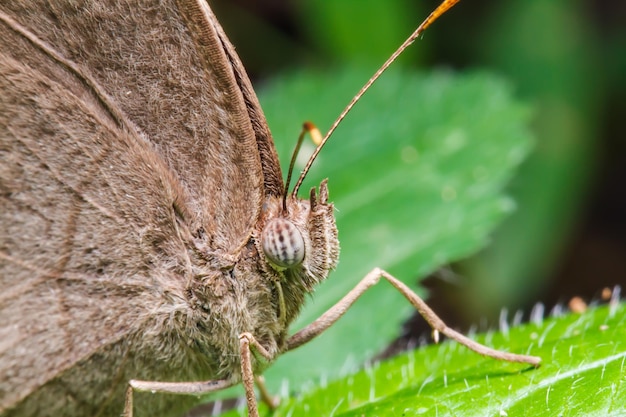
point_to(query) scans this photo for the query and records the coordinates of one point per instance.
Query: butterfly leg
(184, 388)
(438, 326)
(271, 401)
(248, 344)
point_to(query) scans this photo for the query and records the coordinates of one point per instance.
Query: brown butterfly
(145, 230)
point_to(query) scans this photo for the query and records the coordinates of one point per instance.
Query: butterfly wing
(126, 131)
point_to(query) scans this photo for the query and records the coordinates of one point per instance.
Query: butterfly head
(300, 242)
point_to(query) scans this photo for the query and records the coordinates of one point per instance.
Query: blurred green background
(565, 58)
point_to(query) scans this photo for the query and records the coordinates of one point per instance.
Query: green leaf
(582, 374)
(416, 172)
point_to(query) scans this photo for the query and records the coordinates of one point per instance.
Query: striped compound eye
(282, 243)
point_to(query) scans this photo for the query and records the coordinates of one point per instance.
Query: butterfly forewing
(127, 131)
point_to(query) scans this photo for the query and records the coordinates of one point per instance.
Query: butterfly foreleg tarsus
(438, 325)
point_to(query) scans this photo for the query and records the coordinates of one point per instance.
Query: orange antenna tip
(316, 135)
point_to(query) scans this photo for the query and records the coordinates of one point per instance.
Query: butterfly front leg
(438, 325)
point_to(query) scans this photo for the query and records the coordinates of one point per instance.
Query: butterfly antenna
(441, 9)
(317, 139)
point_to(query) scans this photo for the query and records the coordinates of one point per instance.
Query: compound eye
(282, 243)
